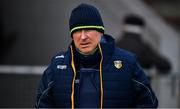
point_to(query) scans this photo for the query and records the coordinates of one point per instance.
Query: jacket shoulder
(59, 56)
(57, 59)
(125, 55)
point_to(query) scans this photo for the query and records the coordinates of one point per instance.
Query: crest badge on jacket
(118, 64)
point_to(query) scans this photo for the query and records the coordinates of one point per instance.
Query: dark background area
(32, 30)
(18, 91)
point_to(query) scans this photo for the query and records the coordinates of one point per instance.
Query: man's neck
(87, 54)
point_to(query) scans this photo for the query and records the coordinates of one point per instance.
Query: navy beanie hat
(85, 16)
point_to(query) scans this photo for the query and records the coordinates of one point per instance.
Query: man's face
(86, 40)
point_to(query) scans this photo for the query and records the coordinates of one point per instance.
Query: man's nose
(83, 34)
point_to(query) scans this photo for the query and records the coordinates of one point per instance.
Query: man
(133, 27)
(93, 73)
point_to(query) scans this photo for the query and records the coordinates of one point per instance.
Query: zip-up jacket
(123, 84)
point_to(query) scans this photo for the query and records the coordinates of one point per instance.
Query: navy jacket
(123, 84)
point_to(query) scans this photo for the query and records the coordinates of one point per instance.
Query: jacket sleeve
(44, 95)
(144, 96)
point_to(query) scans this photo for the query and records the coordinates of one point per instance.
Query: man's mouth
(83, 45)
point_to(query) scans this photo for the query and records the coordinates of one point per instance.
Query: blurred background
(32, 31)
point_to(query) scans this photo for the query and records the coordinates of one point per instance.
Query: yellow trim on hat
(82, 27)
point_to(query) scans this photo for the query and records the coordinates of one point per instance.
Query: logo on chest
(118, 64)
(62, 67)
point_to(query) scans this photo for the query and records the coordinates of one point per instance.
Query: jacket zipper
(74, 77)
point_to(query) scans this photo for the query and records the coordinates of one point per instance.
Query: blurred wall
(41, 28)
(18, 91)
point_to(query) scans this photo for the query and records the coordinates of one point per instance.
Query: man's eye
(78, 31)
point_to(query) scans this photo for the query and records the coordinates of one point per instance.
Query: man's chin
(85, 51)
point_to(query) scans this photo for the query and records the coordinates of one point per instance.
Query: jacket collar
(107, 45)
